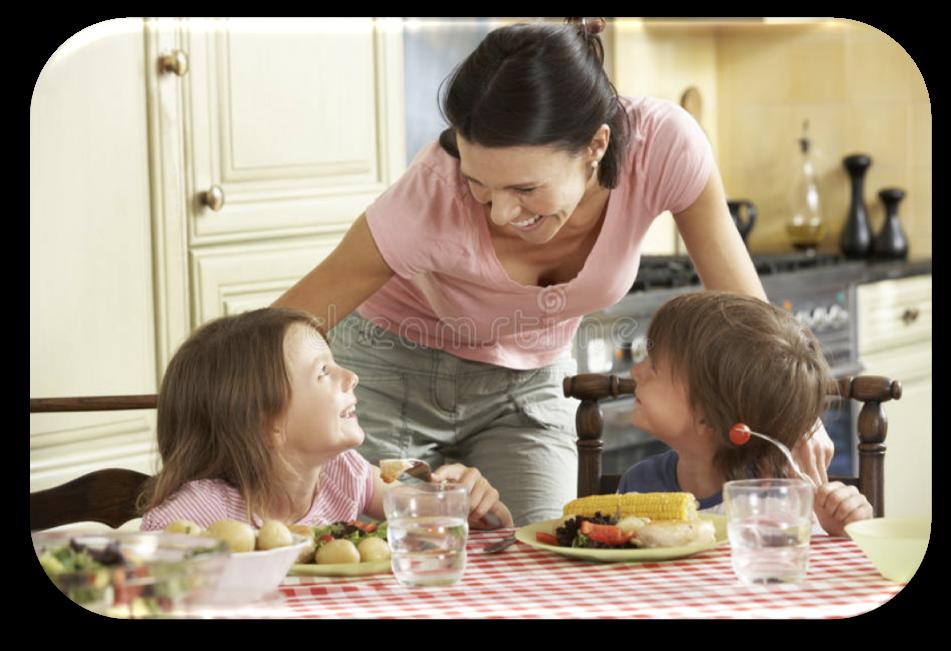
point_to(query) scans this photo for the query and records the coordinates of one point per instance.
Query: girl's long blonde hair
(221, 394)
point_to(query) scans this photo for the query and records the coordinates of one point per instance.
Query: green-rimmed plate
(527, 535)
(341, 569)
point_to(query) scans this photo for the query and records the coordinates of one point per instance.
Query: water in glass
(429, 550)
(766, 550)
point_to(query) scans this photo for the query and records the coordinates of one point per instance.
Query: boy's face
(662, 407)
(321, 419)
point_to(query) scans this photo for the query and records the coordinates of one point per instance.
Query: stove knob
(820, 318)
(838, 316)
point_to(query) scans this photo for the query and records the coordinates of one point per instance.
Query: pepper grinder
(856, 239)
(891, 243)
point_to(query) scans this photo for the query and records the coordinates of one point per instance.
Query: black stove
(667, 272)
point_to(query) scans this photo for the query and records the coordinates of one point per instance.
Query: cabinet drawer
(894, 313)
(234, 279)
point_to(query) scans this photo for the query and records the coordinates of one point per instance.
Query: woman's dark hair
(537, 84)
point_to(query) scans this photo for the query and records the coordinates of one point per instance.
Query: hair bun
(590, 26)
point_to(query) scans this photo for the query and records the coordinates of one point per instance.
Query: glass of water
(428, 525)
(769, 522)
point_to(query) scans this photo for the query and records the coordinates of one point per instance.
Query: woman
(456, 295)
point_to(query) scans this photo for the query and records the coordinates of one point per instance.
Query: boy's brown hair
(743, 360)
(222, 392)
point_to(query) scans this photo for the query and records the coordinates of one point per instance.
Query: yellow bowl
(896, 546)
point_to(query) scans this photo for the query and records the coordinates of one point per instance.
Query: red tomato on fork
(739, 434)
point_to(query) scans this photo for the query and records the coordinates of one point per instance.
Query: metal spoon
(496, 547)
(420, 470)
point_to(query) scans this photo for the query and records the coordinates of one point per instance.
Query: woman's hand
(837, 505)
(483, 498)
(813, 454)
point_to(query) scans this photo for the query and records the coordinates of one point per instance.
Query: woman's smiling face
(529, 191)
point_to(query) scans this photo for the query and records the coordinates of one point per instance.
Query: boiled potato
(307, 555)
(239, 536)
(274, 534)
(373, 549)
(183, 526)
(338, 551)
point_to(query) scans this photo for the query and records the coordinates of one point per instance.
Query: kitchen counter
(876, 271)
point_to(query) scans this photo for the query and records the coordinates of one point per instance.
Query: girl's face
(662, 406)
(529, 191)
(321, 420)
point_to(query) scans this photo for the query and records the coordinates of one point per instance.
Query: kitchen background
(168, 190)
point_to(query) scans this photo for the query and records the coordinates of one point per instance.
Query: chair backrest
(871, 390)
(107, 496)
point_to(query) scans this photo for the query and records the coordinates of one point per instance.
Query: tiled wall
(859, 89)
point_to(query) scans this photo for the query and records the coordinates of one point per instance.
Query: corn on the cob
(656, 506)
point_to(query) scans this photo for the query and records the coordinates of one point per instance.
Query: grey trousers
(516, 427)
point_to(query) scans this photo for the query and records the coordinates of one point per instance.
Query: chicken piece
(390, 469)
(674, 533)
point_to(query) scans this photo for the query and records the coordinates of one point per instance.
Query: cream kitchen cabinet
(293, 127)
(894, 331)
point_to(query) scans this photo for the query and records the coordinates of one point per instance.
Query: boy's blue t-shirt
(658, 474)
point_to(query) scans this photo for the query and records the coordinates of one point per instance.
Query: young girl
(716, 359)
(256, 421)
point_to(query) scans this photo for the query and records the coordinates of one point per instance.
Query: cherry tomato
(739, 434)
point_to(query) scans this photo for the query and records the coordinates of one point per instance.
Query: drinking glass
(769, 522)
(427, 530)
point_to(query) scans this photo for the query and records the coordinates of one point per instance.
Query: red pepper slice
(606, 533)
(326, 538)
(546, 538)
(365, 527)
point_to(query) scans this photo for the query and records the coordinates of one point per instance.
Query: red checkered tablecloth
(525, 583)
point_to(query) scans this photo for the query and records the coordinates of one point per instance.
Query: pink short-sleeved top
(346, 488)
(451, 293)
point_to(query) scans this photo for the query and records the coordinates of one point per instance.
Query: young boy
(716, 359)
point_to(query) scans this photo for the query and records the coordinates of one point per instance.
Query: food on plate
(656, 506)
(335, 552)
(307, 531)
(631, 521)
(390, 469)
(184, 526)
(672, 533)
(274, 534)
(373, 549)
(366, 542)
(239, 536)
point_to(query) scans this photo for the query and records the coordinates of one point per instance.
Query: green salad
(113, 581)
(354, 531)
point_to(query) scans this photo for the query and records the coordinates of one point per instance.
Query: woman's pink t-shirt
(346, 488)
(451, 293)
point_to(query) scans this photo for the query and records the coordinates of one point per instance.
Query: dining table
(525, 582)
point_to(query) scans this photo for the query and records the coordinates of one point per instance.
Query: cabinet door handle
(214, 198)
(176, 61)
(910, 315)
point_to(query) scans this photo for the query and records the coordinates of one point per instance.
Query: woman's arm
(348, 276)
(722, 262)
(715, 245)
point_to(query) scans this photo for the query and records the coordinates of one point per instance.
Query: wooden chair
(107, 496)
(871, 390)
